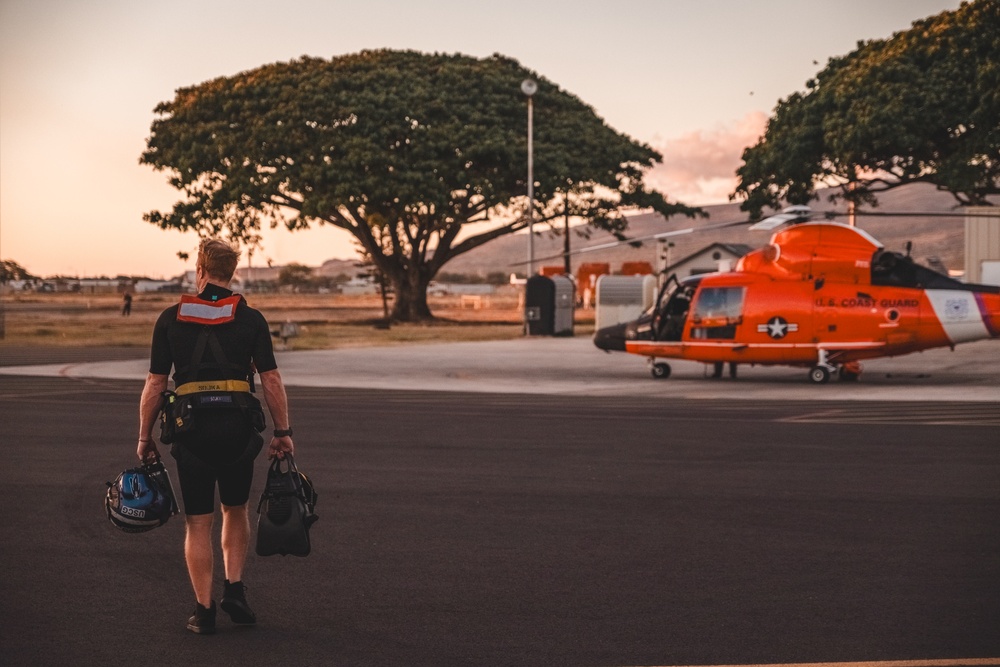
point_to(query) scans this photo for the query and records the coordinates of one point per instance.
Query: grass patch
(325, 336)
(325, 321)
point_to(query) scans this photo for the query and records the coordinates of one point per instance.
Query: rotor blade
(767, 224)
(792, 214)
(920, 214)
(798, 214)
(639, 239)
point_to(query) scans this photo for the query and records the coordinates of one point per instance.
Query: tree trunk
(410, 304)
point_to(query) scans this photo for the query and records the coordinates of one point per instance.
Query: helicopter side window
(717, 312)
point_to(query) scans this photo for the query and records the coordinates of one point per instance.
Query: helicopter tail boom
(966, 316)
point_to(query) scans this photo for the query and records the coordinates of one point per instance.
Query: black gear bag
(285, 511)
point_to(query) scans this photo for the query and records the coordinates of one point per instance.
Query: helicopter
(822, 295)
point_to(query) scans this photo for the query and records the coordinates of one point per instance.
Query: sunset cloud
(699, 168)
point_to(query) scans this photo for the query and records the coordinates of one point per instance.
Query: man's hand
(147, 451)
(280, 446)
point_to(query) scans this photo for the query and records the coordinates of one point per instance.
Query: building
(982, 245)
(712, 258)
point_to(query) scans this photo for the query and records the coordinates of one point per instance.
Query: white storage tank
(622, 299)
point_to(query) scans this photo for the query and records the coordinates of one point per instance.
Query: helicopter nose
(611, 339)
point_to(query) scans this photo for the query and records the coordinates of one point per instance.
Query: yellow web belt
(212, 385)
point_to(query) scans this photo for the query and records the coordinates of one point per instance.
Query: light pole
(529, 88)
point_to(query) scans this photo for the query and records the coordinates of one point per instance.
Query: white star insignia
(777, 327)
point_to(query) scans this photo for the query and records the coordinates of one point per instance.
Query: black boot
(234, 603)
(203, 620)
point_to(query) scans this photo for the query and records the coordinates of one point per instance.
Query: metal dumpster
(548, 305)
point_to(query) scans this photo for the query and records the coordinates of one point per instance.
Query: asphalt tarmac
(565, 366)
(536, 516)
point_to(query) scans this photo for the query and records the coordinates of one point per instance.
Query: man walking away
(214, 342)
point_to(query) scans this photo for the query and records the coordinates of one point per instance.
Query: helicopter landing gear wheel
(819, 375)
(661, 371)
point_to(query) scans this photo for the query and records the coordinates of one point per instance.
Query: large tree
(421, 157)
(11, 270)
(921, 106)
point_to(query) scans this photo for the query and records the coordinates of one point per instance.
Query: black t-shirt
(244, 340)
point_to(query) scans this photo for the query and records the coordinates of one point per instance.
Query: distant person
(126, 304)
(213, 342)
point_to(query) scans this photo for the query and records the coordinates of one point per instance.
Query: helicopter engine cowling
(812, 250)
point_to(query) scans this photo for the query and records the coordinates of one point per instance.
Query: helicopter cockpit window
(891, 268)
(717, 312)
(894, 269)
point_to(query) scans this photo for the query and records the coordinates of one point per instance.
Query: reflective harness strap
(212, 385)
(210, 313)
(198, 311)
(207, 314)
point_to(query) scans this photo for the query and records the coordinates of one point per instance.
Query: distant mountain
(935, 240)
(332, 268)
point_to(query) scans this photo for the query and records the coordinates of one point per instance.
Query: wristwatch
(282, 432)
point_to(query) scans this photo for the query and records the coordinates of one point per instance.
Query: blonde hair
(218, 259)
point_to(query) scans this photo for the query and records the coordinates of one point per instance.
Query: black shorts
(213, 456)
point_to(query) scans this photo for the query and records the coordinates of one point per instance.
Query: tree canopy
(420, 157)
(11, 270)
(295, 274)
(921, 106)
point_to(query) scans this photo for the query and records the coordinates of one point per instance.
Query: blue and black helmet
(138, 500)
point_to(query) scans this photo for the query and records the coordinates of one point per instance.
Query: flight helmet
(138, 500)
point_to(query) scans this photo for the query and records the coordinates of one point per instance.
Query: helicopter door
(717, 312)
(670, 315)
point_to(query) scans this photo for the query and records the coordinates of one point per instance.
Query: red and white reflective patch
(193, 309)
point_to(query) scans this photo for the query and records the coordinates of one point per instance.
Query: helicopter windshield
(719, 303)
(717, 312)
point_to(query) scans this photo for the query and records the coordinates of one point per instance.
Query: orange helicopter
(821, 295)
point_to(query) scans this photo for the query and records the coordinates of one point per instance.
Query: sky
(79, 79)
